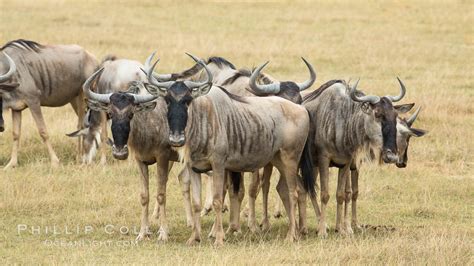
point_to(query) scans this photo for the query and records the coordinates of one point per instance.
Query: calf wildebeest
(138, 122)
(217, 130)
(345, 126)
(243, 82)
(47, 75)
(7, 67)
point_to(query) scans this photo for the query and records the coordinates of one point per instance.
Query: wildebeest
(243, 82)
(217, 130)
(138, 122)
(347, 125)
(404, 133)
(7, 68)
(47, 75)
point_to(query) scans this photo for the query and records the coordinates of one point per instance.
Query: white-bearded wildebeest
(245, 83)
(140, 123)
(345, 126)
(47, 75)
(404, 132)
(225, 132)
(7, 68)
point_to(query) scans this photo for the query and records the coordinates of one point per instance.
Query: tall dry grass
(429, 44)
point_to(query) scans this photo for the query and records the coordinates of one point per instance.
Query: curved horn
(147, 65)
(103, 98)
(273, 88)
(368, 98)
(403, 90)
(153, 81)
(312, 78)
(413, 117)
(192, 84)
(11, 65)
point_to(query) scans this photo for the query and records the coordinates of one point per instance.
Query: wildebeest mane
(240, 73)
(219, 61)
(233, 96)
(24, 44)
(311, 96)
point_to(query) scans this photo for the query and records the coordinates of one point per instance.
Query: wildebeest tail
(235, 178)
(306, 166)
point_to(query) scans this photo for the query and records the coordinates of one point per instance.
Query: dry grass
(430, 44)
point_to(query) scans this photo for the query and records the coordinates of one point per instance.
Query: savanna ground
(429, 44)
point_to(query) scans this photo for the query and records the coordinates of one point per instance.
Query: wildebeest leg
(16, 130)
(267, 173)
(235, 203)
(144, 200)
(323, 166)
(185, 179)
(35, 109)
(253, 191)
(103, 137)
(162, 176)
(195, 179)
(341, 195)
(302, 195)
(347, 201)
(314, 201)
(208, 202)
(156, 209)
(79, 108)
(218, 181)
(355, 195)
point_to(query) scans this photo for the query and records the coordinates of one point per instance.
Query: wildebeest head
(286, 89)
(384, 114)
(4, 86)
(120, 107)
(178, 95)
(404, 132)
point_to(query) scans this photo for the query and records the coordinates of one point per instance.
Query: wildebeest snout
(120, 153)
(389, 157)
(177, 139)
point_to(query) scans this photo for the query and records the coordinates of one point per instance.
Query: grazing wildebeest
(7, 67)
(138, 122)
(243, 82)
(47, 75)
(214, 129)
(345, 126)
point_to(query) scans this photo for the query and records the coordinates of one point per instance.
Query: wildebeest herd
(217, 121)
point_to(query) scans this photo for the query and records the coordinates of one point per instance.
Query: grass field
(429, 44)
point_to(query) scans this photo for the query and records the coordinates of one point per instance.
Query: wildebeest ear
(145, 107)
(81, 132)
(7, 87)
(417, 132)
(97, 106)
(403, 108)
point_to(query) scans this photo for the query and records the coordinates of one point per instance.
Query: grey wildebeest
(347, 126)
(7, 68)
(243, 82)
(214, 129)
(47, 75)
(140, 123)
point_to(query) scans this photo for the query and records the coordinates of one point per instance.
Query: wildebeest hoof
(193, 241)
(225, 208)
(10, 165)
(303, 231)
(142, 236)
(205, 211)
(278, 215)
(322, 233)
(265, 225)
(163, 235)
(254, 228)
